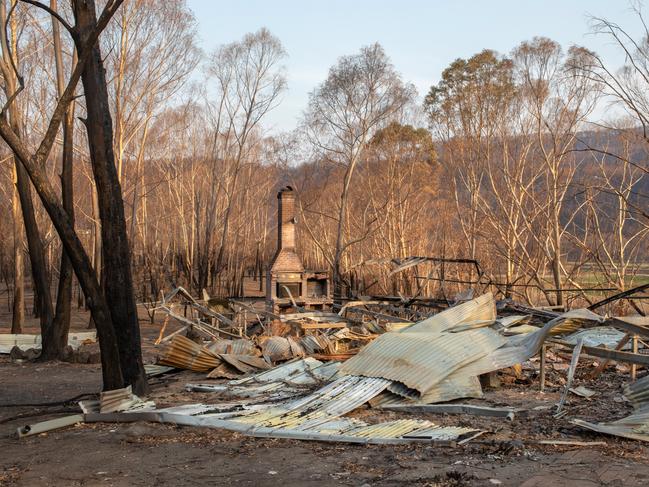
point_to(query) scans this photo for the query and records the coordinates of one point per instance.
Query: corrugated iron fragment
(278, 348)
(186, 354)
(422, 360)
(481, 309)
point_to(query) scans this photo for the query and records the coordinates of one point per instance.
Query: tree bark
(18, 311)
(118, 281)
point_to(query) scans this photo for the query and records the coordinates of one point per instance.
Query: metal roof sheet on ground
(520, 348)
(336, 429)
(481, 309)
(450, 389)
(245, 363)
(239, 346)
(186, 354)
(453, 387)
(598, 336)
(277, 348)
(290, 380)
(153, 370)
(331, 401)
(422, 360)
(282, 372)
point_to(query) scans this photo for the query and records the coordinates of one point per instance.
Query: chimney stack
(286, 219)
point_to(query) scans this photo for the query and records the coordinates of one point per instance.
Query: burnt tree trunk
(18, 310)
(117, 278)
(34, 164)
(111, 371)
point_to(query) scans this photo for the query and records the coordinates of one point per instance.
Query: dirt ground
(143, 454)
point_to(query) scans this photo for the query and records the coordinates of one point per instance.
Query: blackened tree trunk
(18, 311)
(34, 163)
(117, 278)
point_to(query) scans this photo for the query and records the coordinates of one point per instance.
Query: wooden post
(542, 372)
(634, 367)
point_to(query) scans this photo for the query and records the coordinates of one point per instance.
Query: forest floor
(147, 454)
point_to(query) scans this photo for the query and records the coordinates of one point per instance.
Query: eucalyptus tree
(362, 93)
(247, 80)
(557, 102)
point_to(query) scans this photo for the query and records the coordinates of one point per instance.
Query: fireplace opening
(295, 289)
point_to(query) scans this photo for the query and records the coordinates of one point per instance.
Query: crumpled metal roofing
(281, 382)
(186, 354)
(433, 367)
(276, 348)
(237, 346)
(479, 310)
(337, 429)
(598, 336)
(520, 348)
(454, 387)
(333, 400)
(422, 360)
(286, 371)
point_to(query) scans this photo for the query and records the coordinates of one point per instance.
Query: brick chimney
(286, 219)
(286, 260)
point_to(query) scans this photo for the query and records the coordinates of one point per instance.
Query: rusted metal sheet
(186, 354)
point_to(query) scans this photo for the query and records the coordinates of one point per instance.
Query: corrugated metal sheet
(334, 429)
(239, 346)
(598, 336)
(277, 348)
(450, 389)
(481, 309)
(421, 360)
(186, 354)
(247, 364)
(638, 393)
(153, 370)
(575, 319)
(282, 372)
(454, 387)
(333, 400)
(115, 401)
(282, 382)
(312, 343)
(520, 348)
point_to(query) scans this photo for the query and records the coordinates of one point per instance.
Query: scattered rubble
(303, 374)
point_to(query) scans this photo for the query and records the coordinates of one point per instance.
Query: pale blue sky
(421, 37)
